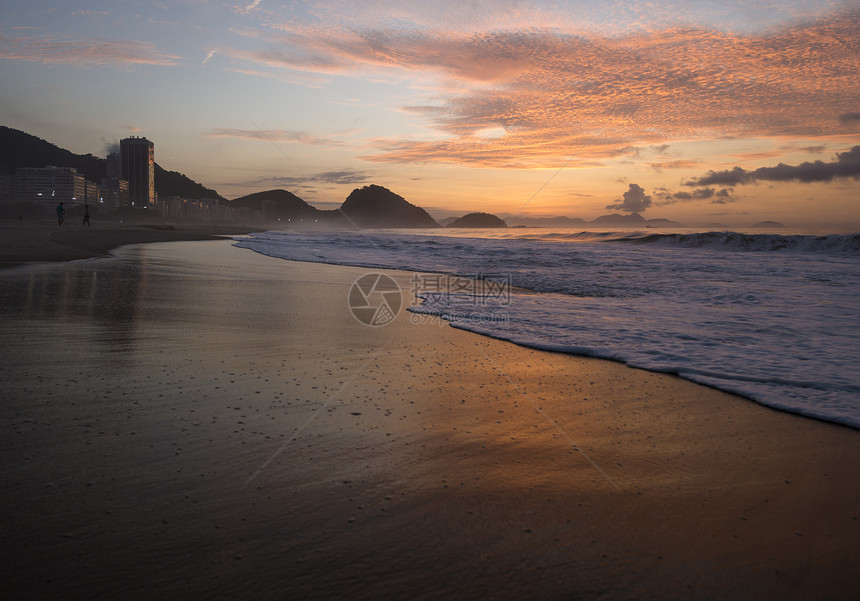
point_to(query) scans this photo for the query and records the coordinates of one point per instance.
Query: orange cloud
(677, 164)
(559, 94)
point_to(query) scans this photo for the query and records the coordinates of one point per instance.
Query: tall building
(114, 188)
(114, 166)
(138, 169)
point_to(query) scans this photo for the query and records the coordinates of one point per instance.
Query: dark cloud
(723, 196)
(634, 200)
(846, 164)
(730, 177)
(849, 118)
(718, 197)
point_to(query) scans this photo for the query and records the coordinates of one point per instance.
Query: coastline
(28, 241)
(196, 419)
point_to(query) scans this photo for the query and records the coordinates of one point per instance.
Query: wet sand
(31, 241)
(195, 420)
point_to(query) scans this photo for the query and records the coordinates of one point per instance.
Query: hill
(173, 183)
(287, 206)
(478, 220)
(20, 149)
(374, 206)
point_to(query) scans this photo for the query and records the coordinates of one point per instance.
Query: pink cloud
(278, 135)
(561, 93)
(48, 50)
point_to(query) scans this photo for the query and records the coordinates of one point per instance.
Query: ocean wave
(845, 244)
(780, 329)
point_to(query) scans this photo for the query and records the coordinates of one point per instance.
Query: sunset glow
(733, 113)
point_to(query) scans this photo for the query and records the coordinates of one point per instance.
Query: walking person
(61, 214)
(87, 215)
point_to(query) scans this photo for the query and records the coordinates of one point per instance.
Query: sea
(773, 317)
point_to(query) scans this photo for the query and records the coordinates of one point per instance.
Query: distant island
(478, 220)
(768, 225)
(632, 220)
(515, 221)
(613, 220)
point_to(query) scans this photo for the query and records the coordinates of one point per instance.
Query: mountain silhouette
(377, 207)
(478, 220)
(287, 206)
(20, 149)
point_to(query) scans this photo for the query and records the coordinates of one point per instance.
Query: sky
(702, 112)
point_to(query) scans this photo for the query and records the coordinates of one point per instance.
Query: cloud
(847, 118)
(724, 196)
(342, 177)
(846, 165)
(209, 55)
(337, 177)
(667, 197)
(275, 135)
(677, 164)
(560, 92)
(634, 200)
(84, 53)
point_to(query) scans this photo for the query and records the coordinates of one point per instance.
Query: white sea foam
(774, 318)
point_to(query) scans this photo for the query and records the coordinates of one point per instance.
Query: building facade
(49, 186)
(138, 169)
(114, 193)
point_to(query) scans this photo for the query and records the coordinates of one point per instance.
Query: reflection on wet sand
(195, 420)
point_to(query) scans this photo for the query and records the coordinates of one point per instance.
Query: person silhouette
(86, 215)
(61, 213)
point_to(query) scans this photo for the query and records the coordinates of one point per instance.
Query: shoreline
(214, 422)
(26, 241)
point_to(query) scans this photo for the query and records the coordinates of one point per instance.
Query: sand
(190, 419)
(31, 241)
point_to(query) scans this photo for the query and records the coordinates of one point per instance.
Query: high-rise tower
(138, 169)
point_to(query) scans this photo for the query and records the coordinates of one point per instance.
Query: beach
(29, 241)
(188, 418)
